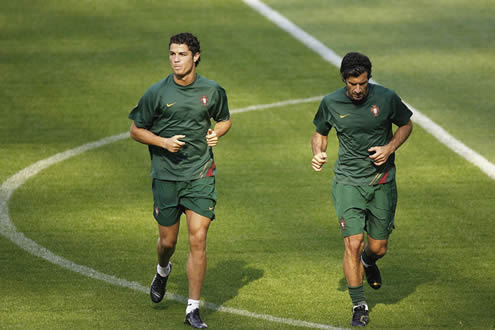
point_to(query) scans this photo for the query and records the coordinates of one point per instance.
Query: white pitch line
(277, 104)
(8, 229)
(329, 55)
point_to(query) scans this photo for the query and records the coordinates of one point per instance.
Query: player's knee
(167, 243)
(197, 241)
(379, 249)
(354, 245)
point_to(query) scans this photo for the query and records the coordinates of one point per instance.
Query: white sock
(192, 305)
(359, 304)
(163, 271)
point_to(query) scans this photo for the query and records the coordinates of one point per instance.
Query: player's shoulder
(382, 91)
(160, 85)
(205, 82)
(335, 96)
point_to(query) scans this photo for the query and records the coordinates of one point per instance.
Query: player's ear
(196, 57)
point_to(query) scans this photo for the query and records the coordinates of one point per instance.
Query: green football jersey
(169, 109)
(360, 126)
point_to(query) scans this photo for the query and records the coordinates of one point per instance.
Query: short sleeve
(220, 108)
(322, 119)
(401, 113)
(144, 111)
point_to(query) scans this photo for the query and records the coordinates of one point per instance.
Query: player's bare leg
(196, 265)
(353, 269)
(374, 250)
(167, 241)
(165, 248)
(354, 272)
(376, 246)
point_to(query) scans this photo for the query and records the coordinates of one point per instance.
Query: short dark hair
(188, 39)
(354, 64)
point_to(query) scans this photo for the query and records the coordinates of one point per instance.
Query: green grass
(72, 71)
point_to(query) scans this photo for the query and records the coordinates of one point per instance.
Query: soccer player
(173, 119)
(363, 190)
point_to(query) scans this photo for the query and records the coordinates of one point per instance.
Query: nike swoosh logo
(170, 104)
(343, 116)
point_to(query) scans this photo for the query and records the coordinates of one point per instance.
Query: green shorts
(172, 198)
(368, 209)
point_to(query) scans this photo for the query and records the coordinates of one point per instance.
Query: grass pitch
(71, 73)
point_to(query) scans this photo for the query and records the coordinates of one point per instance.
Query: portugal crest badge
(204, 100)
(375, 110)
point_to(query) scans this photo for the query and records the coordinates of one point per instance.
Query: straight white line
(8, 229)
(452, 143)
(329, 55)
(277, 104)
(298, 33)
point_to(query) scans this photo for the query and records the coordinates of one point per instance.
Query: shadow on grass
(398, 282)
(222, 283)
(225, 279)
(166, 304)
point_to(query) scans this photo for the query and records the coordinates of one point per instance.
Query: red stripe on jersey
(383, 179)
(210, 171)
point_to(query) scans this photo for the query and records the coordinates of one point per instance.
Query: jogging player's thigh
(169, 234)
(197, 226)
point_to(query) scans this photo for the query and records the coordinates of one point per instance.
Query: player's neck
(185, 80)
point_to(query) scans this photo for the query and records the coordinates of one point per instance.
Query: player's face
(182, 59)
(357, 87)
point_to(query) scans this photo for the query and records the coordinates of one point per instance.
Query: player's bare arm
(221, 128)
(319, 143)
(142, 135)
(381, 153)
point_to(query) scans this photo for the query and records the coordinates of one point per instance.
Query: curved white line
(8, 229)
(329, 55)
